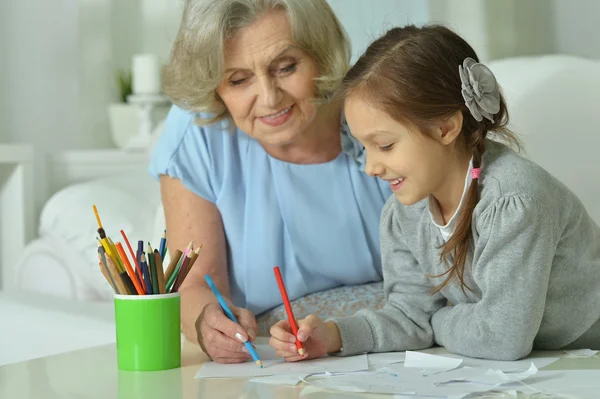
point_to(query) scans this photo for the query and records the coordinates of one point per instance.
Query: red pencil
(288, 309)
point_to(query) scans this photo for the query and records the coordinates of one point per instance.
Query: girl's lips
(396, 184)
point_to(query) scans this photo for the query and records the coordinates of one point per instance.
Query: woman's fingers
(247, 321)
(215, 319)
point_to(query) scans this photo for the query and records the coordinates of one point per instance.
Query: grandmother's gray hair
(195, 67)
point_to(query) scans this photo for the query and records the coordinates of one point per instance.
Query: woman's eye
(386, 147)
(288, 69)
(236, 82)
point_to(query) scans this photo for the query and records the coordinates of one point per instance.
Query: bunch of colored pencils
(148, 277)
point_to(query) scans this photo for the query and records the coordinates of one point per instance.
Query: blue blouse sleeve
(188, 152)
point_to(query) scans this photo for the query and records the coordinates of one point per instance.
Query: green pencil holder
(148, 332)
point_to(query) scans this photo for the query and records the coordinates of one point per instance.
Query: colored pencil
(173, 264)
(129, 270)
(117, 278)
(135, 260)
(175, 273)
(113, 248)
(288, 309)
(153, 273)
(231, 316)
(182, 272)
(105, 271)
(162, 250)
(185, 271)
(140, 251)
(146, 272)
(160, 273)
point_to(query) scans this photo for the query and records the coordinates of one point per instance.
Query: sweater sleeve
(404, 321)
(512, 261)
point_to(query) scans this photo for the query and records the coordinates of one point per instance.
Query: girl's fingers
(294, 356)
(282, 331)
(282, 345)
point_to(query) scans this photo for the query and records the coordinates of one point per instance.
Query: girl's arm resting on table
(404, 322)
(513, 258)
(192, 218)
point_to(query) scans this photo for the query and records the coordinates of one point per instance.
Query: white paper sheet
(410, 379)
(581, 353)
(272, 365)
(430, 364)
(504, 365)
(493, 378)
(410, 382)
(283, 379)
(379, 360)
(564, 384)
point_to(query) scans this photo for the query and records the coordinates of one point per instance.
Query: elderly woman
(257, 166)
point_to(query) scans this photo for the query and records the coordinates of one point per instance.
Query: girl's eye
(386, 148)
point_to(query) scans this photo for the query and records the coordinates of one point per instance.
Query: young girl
(484, 252)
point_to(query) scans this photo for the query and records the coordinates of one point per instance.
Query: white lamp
(146, 74)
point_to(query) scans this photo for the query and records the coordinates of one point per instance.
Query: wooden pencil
(153, 273)
(106, 272)
(181, 273)
(184, 272)
(175, 273)
(116, 275)
(160, 273)
(173, 264)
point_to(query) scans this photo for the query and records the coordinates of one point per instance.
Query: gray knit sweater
(534, 268)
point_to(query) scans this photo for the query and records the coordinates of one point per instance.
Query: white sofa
(553, 103)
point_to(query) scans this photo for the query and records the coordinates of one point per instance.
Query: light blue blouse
(319, 223)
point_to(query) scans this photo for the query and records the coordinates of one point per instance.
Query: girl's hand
(318, 338)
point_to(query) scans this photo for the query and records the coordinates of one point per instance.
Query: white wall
(160, 23)
(3, 73)
(41, 95)
(576, 27)
(365, 21)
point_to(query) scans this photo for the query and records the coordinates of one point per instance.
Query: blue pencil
(231, 316)
(162, 249)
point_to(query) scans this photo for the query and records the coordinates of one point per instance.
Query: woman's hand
(222, 339)
(318, 338)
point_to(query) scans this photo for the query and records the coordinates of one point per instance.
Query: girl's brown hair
(411, 73)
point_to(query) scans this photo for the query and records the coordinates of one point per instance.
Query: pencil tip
(259, 363)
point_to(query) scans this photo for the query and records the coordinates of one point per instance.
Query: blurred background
(68, 132)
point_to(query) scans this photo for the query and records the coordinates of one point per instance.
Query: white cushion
(125, 203)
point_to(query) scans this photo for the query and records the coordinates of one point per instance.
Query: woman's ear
(449, 129)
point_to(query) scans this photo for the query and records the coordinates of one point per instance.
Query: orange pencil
(288, 309)
(138, 271)
(132, 275)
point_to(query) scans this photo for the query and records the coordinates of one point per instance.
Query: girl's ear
(449, 129)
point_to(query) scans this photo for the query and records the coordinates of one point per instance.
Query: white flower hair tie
(479, 89)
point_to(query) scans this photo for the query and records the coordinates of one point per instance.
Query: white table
(93, 373)
(35, 325)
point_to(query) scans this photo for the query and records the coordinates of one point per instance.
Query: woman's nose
(270, 93)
